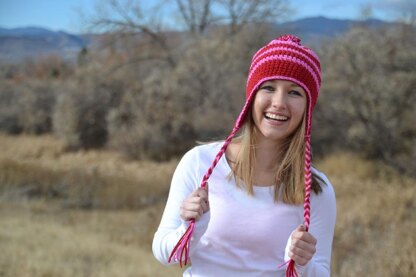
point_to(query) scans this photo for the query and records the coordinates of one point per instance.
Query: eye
(267, 87)
(295, 93)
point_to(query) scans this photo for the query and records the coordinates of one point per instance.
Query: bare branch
(239, 12)
(196, 15)
(128, 17)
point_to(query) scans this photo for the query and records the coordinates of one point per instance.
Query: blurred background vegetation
(88, 146)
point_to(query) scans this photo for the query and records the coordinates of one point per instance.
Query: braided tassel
(181, 250)
(308, 183)
(182, 247)
(291, 270)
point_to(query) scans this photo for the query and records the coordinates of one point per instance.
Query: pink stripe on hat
(295, 45)
(295, 62)
(275, 51)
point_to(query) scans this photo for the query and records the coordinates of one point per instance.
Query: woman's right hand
(195, 205)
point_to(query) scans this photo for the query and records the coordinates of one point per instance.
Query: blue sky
(64, 14)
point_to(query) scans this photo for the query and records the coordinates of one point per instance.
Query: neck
(268, 154)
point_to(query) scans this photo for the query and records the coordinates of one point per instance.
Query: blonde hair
(289, 177)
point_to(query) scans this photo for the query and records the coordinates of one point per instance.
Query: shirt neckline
(256, 188)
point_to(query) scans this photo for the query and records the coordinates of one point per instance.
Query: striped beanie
(286, 59)
(283, 58)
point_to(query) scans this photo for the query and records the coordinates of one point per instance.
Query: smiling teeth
(276, 116)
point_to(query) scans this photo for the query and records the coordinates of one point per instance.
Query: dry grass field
(94, 213)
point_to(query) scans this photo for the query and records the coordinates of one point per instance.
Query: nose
(279, 100)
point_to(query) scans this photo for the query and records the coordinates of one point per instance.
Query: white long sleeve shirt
(241, 235)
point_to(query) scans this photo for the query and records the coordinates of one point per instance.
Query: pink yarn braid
(181, 250)
(291, 270)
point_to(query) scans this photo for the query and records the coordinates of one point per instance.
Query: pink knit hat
(283, 58)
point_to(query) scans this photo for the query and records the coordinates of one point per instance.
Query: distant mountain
(311, 29)
(20, 43)
(26, 32)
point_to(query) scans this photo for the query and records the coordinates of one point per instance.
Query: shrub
(80, 115)
(35, 103)
(27, 106)
(367, 99)
(8, 108)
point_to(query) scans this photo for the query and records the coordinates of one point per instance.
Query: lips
(276, 117)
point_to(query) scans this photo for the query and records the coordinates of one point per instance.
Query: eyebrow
(270, 82)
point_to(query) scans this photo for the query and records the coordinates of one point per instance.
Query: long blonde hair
(289, 177)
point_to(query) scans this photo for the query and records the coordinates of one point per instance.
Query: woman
(252, 222)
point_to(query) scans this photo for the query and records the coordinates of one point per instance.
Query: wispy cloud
(333, 5)
(403, 10)
(394, 4)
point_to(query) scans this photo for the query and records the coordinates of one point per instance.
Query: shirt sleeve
(323, 217)
(184, 181)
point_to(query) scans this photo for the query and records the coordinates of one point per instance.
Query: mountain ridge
(17, 44)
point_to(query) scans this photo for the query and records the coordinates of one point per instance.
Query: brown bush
(81, 111)
(27, 106)
(9, 122)
(35, 103)
(368, 98)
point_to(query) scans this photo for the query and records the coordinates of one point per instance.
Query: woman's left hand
(303, 246)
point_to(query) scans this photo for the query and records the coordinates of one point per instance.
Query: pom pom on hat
(290, 38)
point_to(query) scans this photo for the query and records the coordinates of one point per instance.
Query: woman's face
(278, 109)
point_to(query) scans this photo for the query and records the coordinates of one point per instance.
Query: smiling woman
(252, 219)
